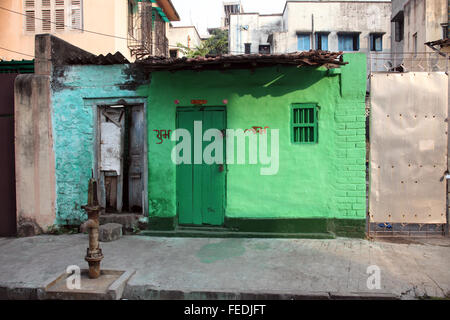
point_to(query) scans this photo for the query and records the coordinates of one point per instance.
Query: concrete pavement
(203, 268)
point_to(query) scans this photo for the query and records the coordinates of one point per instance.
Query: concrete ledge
(118, 287)
(151, 293)
(12, 292)
(109, 286)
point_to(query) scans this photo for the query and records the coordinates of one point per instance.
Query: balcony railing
(147, 33)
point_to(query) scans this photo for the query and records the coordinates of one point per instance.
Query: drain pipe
(94, 254)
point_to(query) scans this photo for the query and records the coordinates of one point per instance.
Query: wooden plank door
(112, 129)
(201, 187)
(136, 158)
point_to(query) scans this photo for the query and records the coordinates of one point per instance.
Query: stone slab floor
(202, 268)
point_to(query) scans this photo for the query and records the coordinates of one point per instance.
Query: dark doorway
(7, 159)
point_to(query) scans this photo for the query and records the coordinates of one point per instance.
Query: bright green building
(320, 184)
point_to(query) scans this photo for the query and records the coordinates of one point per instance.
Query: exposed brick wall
(350, 160)
(350, 138)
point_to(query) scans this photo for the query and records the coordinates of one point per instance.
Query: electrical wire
(24, 54)
(89, 31)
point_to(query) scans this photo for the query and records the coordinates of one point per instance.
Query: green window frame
(304, 124)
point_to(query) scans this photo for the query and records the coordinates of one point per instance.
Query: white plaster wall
(252, 28)
(436, 15)
(177, 35)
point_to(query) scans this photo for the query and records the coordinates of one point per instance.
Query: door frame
(94, 104)
(203, 108)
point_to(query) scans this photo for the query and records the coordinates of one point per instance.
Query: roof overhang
(168, 8)
(398, 17)
(311, 58)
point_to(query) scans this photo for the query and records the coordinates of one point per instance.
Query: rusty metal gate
(7, 168)
(408, 153)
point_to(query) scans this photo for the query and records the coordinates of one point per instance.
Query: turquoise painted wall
(73, 129)
(325, 180)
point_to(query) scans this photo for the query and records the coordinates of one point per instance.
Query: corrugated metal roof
(314, 58)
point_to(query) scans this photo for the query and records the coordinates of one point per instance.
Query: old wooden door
(136, 158)
(112, 130)
(122, 158)
(201, 187)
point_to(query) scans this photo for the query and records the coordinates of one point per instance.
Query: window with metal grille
(304, 123)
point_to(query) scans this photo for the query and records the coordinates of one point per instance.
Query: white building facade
(187, 36)
(348, 26)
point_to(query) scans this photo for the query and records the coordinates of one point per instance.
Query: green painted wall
(325, 180)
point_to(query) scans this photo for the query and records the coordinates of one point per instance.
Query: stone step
(109, 232)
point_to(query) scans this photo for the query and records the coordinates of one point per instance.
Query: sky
(208, 13)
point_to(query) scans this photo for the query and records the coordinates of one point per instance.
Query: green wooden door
(201, 187)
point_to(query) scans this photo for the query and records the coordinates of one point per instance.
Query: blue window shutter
(340, 42)
(304, 42)
(321, 41)
(324, 42)
(346, 42)
(379, 43)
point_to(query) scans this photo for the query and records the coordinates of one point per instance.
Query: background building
(99, 26)
(349, 26)
(187, 36)
(230, 7)
(415, 23)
